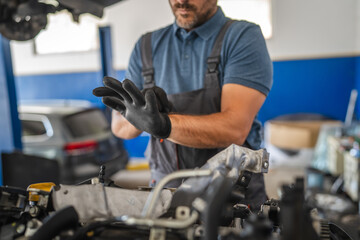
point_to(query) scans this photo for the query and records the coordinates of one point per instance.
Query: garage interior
(56, 138)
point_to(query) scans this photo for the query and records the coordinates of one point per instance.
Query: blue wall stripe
(136, 147)
(311, 86)
(357, 82)
(59, 86)
(320, 86)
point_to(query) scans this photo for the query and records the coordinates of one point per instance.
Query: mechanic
(215, 92)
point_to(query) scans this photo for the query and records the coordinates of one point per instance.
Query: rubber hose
(219, 194)
(63, 219)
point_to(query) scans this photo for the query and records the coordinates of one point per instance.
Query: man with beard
(216, 74)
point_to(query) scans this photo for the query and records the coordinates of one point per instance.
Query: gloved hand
(164, 105)
(105, 92)
(140, 110)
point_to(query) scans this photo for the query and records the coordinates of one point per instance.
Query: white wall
(25, 62)
(313, 28)
(132, 18)
(301, 29)
(358, 27)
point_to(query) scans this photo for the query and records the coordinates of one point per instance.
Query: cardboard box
(295, 134)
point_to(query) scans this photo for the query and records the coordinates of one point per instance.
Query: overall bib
(166, 157)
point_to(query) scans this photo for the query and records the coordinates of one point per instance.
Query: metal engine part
(22, 20)
(233, 162)
(94, 201)
(198, 211)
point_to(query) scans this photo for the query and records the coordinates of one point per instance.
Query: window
(86, 123)
(63, 35)
(257, 11)
(32, 128)
(35, 128)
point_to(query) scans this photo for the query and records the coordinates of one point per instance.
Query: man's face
(192, 13)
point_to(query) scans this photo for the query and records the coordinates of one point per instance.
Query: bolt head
(265, 165)
(21, 228)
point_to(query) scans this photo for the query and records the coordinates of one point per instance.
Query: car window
(32, 128)
(86, 123)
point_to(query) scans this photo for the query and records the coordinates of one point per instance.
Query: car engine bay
(207, 205)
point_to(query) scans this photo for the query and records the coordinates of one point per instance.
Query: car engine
(207, 205)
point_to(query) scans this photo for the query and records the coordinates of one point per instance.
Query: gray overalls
(166, 157)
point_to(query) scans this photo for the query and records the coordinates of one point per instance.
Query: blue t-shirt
(179, 58)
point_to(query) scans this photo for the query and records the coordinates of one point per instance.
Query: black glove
(105, 92)
(164, 105)
(141, 111)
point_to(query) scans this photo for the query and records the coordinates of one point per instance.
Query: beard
(189, 20)
(192, 18)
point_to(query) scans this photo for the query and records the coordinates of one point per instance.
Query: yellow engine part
(36, 188)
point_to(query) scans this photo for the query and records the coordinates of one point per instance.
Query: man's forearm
(208, 131)
(122, 128)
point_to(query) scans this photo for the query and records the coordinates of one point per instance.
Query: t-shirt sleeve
(247, 61)
(134, 70)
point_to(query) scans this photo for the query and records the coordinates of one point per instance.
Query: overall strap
(146, 58)
(213, 60)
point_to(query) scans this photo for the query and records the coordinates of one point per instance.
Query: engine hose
(63, 219)
(337, 233)
(216, 199)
